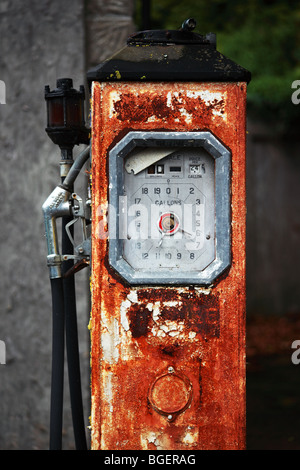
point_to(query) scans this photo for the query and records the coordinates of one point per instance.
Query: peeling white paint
(125, 305)
(203, 290)
(108, 390)
(209, 98)
(110, 338)
(191, 436)
(150, 438)
(172, 303)
(156, 311)
(132, 296)
(114, 96)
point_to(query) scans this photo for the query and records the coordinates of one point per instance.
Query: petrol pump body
(168, 247)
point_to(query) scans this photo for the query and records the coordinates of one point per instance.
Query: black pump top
(169, 55)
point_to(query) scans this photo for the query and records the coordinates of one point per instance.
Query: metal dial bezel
(222, 157)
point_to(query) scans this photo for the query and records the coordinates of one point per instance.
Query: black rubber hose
(57, 378)
(72, 346)
(76, 168)
(71, 316)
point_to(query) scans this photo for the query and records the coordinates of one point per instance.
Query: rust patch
(141, 107)
(170, 394)
(139, 318)
(171, 350)
(197, 313)
(206, 321)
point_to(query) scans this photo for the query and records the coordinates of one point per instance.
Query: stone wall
(273, 222)
(40, 42)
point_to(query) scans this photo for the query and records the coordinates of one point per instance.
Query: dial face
(168, 221)
(169, 208)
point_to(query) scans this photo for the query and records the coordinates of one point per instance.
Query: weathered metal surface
(169, 56)
(138, 334)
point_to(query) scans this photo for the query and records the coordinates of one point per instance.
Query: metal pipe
(56, 205)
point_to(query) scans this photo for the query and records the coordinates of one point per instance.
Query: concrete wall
(273, 222)
(41, 41)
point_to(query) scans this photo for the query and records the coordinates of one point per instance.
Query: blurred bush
(261, 35)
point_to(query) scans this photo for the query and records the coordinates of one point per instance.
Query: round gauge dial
(169, 208)
(170, 213)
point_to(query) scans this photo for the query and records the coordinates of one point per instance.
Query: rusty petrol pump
(168, 245)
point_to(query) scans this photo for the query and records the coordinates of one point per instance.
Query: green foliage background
(261, 35)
